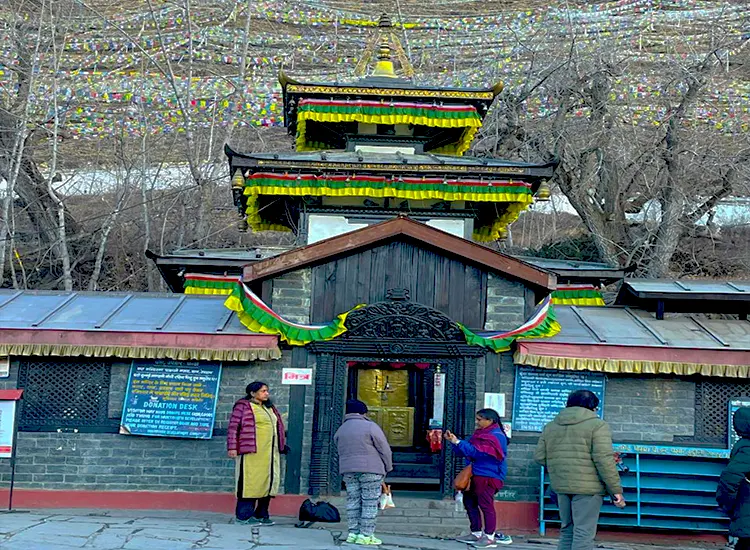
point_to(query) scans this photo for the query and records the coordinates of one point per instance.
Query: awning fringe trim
(631, 366)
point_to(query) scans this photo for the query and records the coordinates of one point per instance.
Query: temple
(391, 292)
(380, 147)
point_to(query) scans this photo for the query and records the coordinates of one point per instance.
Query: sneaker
(484, 542)
(372, 540)
(249, 521)
(265, 521)
(469, 539)
(500, 538)
(352, 538)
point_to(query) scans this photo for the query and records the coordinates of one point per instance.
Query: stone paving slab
(176, 530)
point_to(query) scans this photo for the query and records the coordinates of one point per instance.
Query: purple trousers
(481, 497)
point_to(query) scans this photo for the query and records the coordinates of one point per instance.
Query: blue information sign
(171, 399)
(542, 393)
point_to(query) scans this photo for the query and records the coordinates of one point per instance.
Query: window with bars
(712, 398)
(65, 394)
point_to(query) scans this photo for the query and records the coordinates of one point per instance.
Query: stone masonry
(109, 461)
(291, 296)
(505, 303)
(649, 409)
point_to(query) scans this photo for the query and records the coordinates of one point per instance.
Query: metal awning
(115, 324)
(686, 295)
(625, 340)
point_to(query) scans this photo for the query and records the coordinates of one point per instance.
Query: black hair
(355, 406)
(583, 398)
(493, 416)
(490, 414)
(254, 387)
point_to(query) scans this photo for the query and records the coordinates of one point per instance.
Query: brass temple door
(386, 394)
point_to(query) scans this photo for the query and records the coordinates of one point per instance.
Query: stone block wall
(506, 303)
(649, 409)
(291, 295)
(110, 461)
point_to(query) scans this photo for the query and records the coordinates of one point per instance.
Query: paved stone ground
(154, 530)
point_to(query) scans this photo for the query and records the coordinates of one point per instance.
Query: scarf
(487, 442)
(249, 426)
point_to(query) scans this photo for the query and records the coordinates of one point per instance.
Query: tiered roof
(384, 144)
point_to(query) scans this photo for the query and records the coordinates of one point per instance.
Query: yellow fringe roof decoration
(631, 366)
(141, 352)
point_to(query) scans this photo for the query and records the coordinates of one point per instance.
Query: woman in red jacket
(255, 439)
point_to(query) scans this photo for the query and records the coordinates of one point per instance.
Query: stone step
(415, 516)
(403, 504)
(431, 530)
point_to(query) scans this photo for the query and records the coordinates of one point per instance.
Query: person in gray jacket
(364, 459)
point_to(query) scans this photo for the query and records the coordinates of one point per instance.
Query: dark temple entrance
(406, 399)
(392, 357)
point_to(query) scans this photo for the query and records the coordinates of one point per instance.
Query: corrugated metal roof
(117, 312)
(631, 327)
(555, 263)
(689, 287)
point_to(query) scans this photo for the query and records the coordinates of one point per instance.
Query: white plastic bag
(386, 498)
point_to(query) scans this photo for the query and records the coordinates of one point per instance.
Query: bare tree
(637, 187)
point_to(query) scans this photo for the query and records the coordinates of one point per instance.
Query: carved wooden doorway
(394, 332)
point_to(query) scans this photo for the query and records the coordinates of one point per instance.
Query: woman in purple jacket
(485, 451)
(364, 459)
(256, 439)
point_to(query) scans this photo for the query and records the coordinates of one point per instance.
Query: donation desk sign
(166, 398)
(542, 393)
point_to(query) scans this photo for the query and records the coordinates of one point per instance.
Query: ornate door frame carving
(394, 331)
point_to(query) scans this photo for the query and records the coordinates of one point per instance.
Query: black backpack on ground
(323, 512)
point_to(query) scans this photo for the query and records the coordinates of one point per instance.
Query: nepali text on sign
(296, 377)
(542, 393)
(171, 399)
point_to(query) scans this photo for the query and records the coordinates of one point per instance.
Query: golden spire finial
(384, 42)
(384, 66)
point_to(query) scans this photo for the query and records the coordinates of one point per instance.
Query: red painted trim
(698, 356)
(10, 395)
(282, 505)
(10, 336)
(517, 517)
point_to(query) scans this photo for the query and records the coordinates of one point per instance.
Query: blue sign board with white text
(166, 398)
(542, 393)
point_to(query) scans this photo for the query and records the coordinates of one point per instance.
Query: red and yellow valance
(209, 284)
(381, 112)
(577, 295)
(517, 193)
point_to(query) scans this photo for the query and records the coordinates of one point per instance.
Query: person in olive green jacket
(576, 449)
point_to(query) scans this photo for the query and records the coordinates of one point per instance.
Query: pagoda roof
(391, 162)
